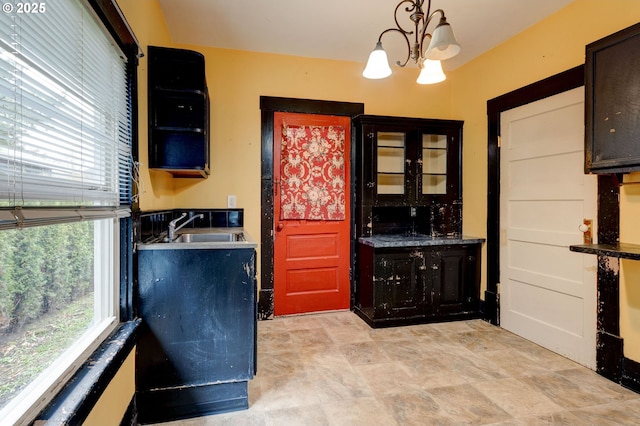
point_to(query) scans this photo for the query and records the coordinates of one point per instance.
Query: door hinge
(497, 288)
(499, 141)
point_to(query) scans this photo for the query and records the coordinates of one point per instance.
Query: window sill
(74, 403)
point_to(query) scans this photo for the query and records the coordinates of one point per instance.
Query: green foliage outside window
(46, 298)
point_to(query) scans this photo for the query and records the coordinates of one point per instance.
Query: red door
(311, 213)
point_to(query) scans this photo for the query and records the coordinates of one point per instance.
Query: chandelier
(439, 46)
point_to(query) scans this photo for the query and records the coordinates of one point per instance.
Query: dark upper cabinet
(407, 161)
(612, 106)
(178, 112)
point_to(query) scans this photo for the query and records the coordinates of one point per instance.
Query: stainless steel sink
(204, 239)
(210, 238)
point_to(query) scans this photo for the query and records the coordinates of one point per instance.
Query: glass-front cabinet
(407, 161)
(390, 158)
(433, 165)
(412, 263)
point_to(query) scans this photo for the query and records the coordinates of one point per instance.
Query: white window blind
(65, 117)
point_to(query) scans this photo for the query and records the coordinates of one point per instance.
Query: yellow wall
(237, 79)
(116, 398)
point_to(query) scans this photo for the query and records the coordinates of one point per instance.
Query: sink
(204, 239)
(210, 238)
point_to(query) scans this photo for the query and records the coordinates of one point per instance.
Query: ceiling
(343, 29)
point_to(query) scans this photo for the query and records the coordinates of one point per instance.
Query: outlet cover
(231, 201)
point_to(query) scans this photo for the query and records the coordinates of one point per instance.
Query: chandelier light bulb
(431, 72)
(378, 64)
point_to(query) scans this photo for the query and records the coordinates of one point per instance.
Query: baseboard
(169, 404)
(630, 374)
(609, 356)
(490, 307)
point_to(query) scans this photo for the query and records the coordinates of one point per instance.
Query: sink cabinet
(414, 284)
(197, 350)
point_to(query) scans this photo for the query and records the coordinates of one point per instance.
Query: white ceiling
(343, 29)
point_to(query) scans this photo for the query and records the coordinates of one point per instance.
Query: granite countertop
(401, 240)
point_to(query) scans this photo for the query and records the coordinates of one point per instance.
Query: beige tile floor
(333, 369)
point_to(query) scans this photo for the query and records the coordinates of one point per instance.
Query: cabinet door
(432, 165)
(445, 280)
(398, 292)
(452, 279)
(391, 161)
(438, 166)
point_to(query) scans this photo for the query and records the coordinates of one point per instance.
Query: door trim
(610, 360)
(269, 105)
(550, 86)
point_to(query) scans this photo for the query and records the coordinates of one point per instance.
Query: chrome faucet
(173, 228)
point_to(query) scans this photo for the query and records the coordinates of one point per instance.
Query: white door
(547, 293)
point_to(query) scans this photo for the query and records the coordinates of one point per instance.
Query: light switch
(231, 201)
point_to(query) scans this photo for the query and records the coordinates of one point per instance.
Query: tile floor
(333, 369)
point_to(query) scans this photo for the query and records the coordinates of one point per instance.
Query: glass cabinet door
(391, 155)
(434, 164)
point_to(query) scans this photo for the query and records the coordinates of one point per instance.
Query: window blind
(65, 117)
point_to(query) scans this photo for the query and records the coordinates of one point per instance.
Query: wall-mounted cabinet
(178, 112)
(612, 86)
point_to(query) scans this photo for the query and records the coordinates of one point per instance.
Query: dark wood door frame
(269, 105)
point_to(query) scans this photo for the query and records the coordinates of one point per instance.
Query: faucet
(173, 228)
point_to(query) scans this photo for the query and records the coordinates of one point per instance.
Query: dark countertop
(621, 250)
(395, 240)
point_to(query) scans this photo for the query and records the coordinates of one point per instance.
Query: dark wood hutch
(413, 263)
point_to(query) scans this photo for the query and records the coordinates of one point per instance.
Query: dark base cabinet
(197, 350)
(419, 284)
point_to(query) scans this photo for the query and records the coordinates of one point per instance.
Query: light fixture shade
(378, 64)
(443, 43)
(431, 72)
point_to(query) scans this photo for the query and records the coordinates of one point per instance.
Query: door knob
(583, 228)
(280, 226)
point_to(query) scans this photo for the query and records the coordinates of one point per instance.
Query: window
(65, 155)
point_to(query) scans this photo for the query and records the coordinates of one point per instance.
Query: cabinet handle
(435, 267)
(371, 184)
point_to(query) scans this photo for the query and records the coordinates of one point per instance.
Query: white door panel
(547, 293)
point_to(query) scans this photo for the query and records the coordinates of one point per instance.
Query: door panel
(311, 253)
(547, 293)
